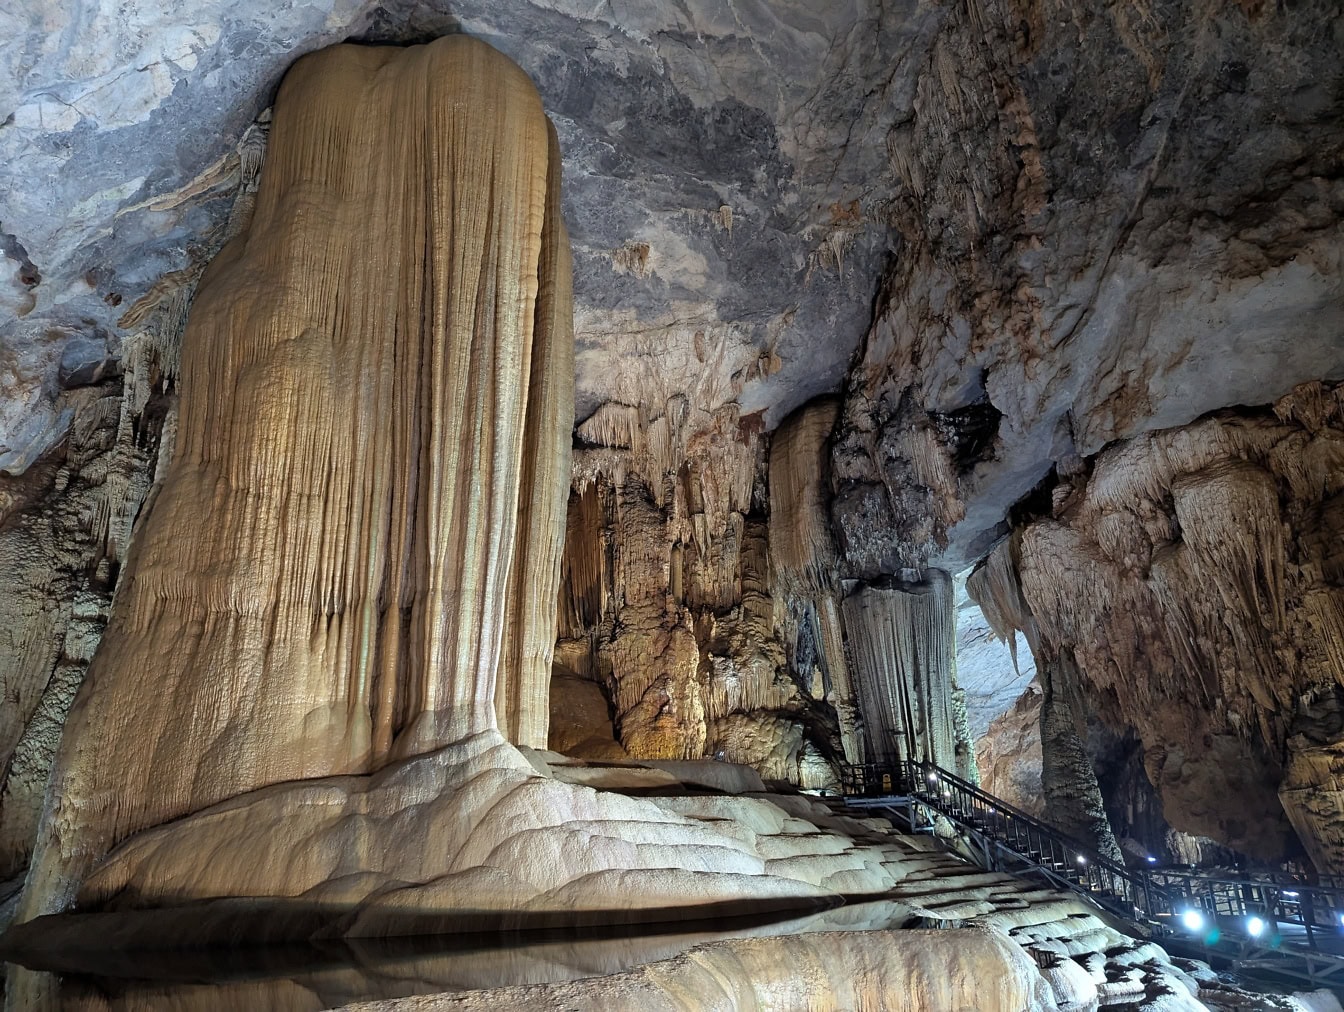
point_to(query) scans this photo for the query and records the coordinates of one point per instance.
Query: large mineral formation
(367, 488)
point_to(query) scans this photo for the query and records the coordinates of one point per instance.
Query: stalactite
(585, 571)
(995, 587)
(1195, 578)
(803, 552)
(801, 546)
(324, 581)
(902, 639)
(691, 637)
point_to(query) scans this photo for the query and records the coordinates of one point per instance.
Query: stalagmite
(367, 486)
(1073, 799)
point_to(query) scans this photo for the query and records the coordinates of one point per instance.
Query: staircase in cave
(1277, 927)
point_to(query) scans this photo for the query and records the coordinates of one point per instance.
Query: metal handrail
(1156, 896)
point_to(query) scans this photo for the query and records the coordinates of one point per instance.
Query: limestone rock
(1008, 756)
(1191, 575)
(673, 601)
(910, 971)
(324, 582)
(1085, 258)
(722, 167)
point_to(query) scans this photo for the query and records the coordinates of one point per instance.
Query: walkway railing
(1293, 928)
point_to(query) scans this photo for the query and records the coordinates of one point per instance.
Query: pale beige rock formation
(909, 971)
(478, 835)
(371, 437)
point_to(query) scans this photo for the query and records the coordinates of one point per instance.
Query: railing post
(1307, 908)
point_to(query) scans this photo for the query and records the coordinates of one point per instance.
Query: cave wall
(1110, 220)
(1188, 578)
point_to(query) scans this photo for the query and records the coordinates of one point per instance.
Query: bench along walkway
(1263, 925)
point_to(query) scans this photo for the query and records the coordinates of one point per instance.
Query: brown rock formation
(366, 486)
(1008, 757)
(1192, 577)
(673, 597)
(806, 562)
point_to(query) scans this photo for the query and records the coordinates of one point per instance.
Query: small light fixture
(1081, 859)
(1151, 859)
(1290, 894)
(1193, 920)
(1255, 927)
(933, 778)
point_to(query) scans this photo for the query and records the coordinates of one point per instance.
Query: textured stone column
(902, 639)
(1073, 799)
(368, 485)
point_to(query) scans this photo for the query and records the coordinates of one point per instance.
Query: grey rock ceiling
(1102, 221)
(741, 143)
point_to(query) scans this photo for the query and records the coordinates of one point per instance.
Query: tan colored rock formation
(1193, 577)
(369, 441)
(805, 559)
(669, 599)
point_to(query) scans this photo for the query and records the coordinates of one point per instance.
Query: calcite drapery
(805, 559)
(903, 640)
(368, 489)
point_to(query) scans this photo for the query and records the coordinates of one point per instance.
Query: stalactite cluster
(668, 594)
(367, 485)
(1192, 576)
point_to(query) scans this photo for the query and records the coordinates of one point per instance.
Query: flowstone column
(368, 491)
(902, 637)
(1073, 800)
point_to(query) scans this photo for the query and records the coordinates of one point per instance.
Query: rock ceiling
(724, 176)
(1096, 223)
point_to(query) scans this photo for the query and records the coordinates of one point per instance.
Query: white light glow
(1151, 859)
(1255, 927)
(1081, 859)
(1193, 920)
